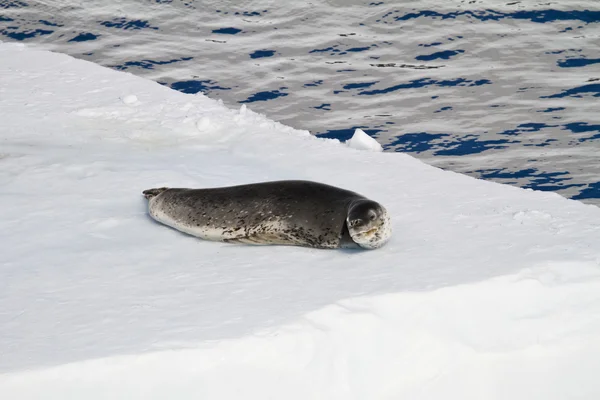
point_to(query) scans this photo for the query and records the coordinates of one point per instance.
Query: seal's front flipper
(150, 193)
(261, 239)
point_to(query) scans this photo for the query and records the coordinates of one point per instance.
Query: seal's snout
(355, 223)
(150, 193)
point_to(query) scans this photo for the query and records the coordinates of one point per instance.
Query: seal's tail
(150, 193)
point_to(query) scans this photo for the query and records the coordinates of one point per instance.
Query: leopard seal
(290, 212)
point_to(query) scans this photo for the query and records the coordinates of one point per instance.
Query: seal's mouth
(369, 232)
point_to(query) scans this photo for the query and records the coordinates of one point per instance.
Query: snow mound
(130, 99)
(361, 141)
(405, 345)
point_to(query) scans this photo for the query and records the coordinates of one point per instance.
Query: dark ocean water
(505, 91)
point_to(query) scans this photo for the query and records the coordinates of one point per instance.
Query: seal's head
(368, 223)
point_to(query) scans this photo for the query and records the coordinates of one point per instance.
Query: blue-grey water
(502, 90)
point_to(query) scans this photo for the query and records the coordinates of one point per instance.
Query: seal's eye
(372, 215)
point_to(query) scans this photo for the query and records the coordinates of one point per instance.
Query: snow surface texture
(485, 291)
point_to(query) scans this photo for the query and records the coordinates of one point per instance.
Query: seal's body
(299, 213)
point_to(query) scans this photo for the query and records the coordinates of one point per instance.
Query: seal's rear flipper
(150, 193)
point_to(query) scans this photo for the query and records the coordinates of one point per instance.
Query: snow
(485, 291)
(361, 141)
(130, 99)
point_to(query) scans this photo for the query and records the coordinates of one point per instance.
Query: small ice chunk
(361, 141)
(203, 124)
(130, 99)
